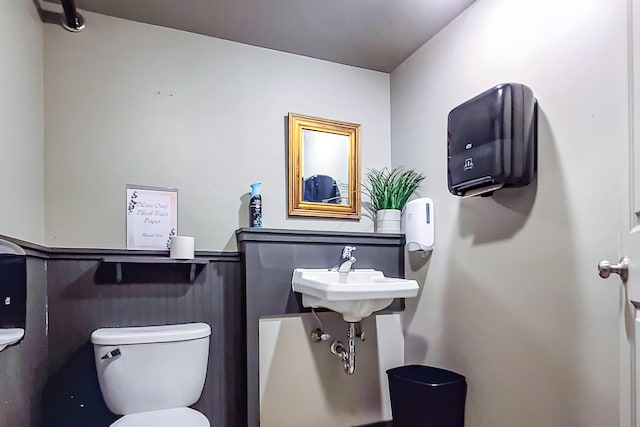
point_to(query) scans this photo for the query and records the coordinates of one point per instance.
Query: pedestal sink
(355, 294)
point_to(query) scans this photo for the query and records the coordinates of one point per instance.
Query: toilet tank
(150, 368)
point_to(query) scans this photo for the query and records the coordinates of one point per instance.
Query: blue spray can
(255, 206)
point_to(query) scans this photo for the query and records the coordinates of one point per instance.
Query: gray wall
(23, 367)
(21, 121)
(82, 297)
(511, 297)
(50, 380)
(283, 363)
(156, 106)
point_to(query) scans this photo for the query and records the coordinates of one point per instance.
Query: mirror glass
(324, 167)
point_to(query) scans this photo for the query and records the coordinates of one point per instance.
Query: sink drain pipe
(348, 356)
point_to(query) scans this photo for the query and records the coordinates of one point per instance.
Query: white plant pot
(388, 221)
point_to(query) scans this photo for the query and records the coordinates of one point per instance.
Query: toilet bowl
(176, 417)
(151, 374)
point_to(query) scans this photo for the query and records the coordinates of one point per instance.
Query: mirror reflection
(324, 167)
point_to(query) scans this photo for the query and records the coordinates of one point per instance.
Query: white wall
(510, 296)
(21, 121)
(130, 103)
(133, 103)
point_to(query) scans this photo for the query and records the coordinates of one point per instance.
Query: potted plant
(388, 191)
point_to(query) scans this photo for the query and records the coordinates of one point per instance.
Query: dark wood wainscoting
(81, 300)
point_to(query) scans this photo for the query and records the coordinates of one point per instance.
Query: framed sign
(152, 217)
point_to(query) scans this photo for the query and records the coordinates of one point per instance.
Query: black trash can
(424, 396)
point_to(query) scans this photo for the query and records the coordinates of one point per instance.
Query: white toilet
(152, 374)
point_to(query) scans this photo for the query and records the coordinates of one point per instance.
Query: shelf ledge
(118, 261)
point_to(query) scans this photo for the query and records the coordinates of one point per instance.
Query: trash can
(425, 396)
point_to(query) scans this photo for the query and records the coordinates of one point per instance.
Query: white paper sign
(152, 217)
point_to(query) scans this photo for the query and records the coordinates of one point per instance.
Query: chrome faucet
(346, 260)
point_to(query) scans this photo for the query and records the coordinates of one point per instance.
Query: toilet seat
(176, 417)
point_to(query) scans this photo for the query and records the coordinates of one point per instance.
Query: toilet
(151, 374)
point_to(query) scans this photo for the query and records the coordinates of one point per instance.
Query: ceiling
(373, 34)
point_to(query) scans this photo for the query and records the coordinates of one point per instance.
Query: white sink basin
(10, 336)
(354, 294)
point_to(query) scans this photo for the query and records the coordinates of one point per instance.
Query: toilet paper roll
(182, 247)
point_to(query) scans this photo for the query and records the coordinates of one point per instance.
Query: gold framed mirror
(324, 167)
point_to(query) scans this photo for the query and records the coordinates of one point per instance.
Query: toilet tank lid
(150, 334)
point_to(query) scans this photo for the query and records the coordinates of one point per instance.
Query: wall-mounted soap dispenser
(492, 141)
(418, 223)
(13, 293)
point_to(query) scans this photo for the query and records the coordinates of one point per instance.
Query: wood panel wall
(23, 366)
(49, 378)
(79, 303)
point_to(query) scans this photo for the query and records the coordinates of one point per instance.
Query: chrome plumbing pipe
(71, 19)
(350, 366)
(348, 357)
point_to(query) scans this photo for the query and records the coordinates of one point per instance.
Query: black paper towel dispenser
(492, 141)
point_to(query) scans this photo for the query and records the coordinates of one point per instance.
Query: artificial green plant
(391, 188)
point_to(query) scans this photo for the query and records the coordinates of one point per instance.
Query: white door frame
(630, 234)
